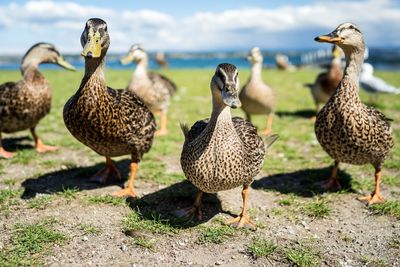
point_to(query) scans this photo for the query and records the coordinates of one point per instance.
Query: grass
(302, 257)
(89, 229)
(29, 242)
(69, 193)
(144, 242)
(40, 201)
(261, 247)
(134, 222)
(391, 207)
(317, 209)
(215, 234)
(107, 199)
(8, 198)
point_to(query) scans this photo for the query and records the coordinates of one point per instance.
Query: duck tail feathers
(184, 128)
(269, 140)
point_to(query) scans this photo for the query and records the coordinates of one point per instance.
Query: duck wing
(171, 86)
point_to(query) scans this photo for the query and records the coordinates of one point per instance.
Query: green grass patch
(317, 209)
(107, 199)
(144, 242)
(8, 198)
(10, 181)
(261, 247)
(134, 221)
(69, 193)
(302, 257)
(40, 201)
(215, 234)
(289, 200)
(391, 207)
(89, 229)
(29, 242)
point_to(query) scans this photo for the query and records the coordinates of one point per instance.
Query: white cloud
(282, 27)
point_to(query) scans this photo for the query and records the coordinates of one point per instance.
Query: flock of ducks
(220, 152)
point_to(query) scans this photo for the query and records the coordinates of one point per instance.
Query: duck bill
(231, 99)
(126, 59)
(329, 38)
(92, 47)
(66, 65)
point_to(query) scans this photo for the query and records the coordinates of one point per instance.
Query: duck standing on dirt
(154, 89)
(24, 103)
(111, 122)
(222, 152)
(256, 96)
(327, 82)
(347, 130)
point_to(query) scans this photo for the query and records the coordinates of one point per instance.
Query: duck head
(255, 55)
(45, 53)
(136, 53)
(225, 86)
(95, 39)
(347, 36)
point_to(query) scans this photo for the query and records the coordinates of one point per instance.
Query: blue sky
(206, 25)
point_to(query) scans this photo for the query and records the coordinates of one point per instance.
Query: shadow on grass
(17, 143)
(163, 205)
(305, 183)
(73, 178)
(307, 113)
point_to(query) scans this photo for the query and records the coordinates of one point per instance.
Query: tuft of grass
(317, 209)
(10, 181)
(261, 247)
(69, 193)
(288, 200)
(389, 208)
(216, 235)
(8, 199)
(302, 257)
(369, 261)
(107, 199)
(145, 242)
(89, 228)
(40, 202)
(29, 243)
(395, 242)
(24, 156)
(134, 221)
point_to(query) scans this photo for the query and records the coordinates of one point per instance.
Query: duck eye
(351, 27)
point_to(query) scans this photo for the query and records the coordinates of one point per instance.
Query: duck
(111, 122)
(25, 102)
(256, 96)
(326, 82)
(154, 89)
(375, 85)
(349, 131)
(221, 153)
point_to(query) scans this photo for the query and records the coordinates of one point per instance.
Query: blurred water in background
(381, 59)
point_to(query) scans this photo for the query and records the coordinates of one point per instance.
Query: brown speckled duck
(347, 130)
(111, 122)
(256, 96)
(327, 82)
(154, 89)
(222, 152)
(24, 103)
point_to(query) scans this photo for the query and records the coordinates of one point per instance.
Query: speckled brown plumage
(348, 130)
(24, 103)
(222, 153)
(111, 122)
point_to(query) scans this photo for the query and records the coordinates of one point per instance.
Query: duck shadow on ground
(76, 178)
(164, 205)
(305, 183)
(305, 113)
(18, 143)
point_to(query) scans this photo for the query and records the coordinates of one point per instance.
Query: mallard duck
(348, 130)
(111, 122)
(24, 103)
(326, 82)
(222, 152)
(154, 89)
(256, 96)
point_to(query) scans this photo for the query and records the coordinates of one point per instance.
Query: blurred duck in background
(24, 103)
(282, 63)
(348, 130)
(161, 60)
(326, 82)
(154, 89)
(257, 98)
(374, 85)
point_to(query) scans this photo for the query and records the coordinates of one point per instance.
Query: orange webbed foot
(371, 199)
(241, 221)
(126, 192)
(6, 154)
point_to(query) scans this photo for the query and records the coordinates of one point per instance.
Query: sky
(207, 25)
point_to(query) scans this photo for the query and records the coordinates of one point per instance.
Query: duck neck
(256, 70)
(221, 114)
(141, 68)
(30, 69)
(354, 61)
(94, 73)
